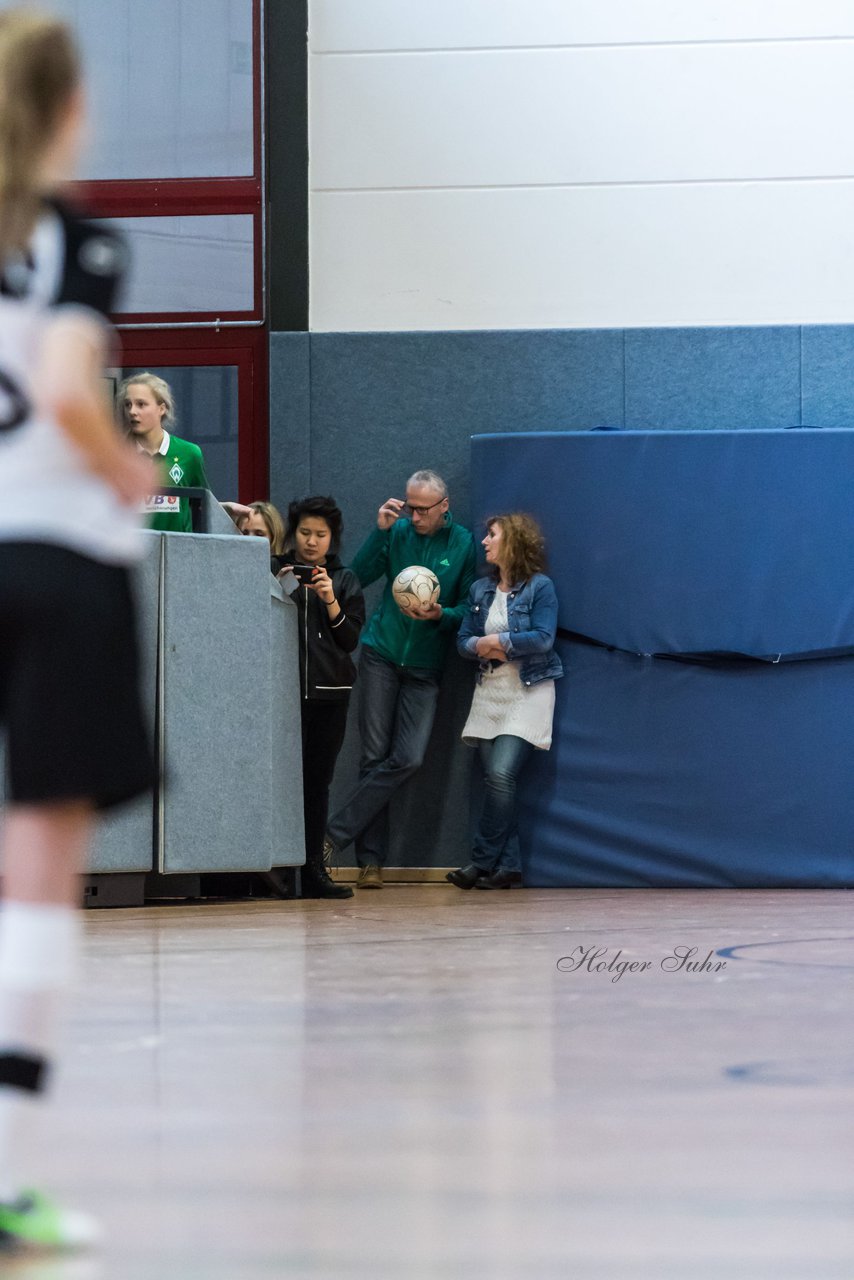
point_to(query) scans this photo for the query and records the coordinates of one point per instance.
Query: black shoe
(275, 884)
(466, 877)
(319, 884)
(498, 880)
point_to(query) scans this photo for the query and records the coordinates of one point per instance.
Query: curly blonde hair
(523, 545)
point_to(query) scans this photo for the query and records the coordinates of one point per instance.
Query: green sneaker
(35, 1223)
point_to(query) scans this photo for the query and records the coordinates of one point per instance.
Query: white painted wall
(581, 163)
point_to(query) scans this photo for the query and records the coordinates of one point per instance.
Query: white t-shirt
(47, 494)
(502, 704)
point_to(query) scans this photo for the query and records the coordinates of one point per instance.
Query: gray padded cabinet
(216, 713)
(125, 839)
(217, 519)
(287, 826)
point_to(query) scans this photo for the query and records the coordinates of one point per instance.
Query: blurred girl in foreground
(70, 488)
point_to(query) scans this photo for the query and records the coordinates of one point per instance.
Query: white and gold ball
(415, 587)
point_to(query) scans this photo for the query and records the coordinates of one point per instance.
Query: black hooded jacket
(326, 670)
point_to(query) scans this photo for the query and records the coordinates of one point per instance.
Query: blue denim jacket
(531, 621)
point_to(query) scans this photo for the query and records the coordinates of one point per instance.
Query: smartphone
(302, 572)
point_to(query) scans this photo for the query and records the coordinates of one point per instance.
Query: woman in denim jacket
(510, 631)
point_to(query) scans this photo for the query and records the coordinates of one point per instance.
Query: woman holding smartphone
(332, 614)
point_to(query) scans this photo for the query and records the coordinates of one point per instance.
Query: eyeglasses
(420, 511)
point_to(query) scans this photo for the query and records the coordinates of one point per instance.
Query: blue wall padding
(683, 541)
(668, 775)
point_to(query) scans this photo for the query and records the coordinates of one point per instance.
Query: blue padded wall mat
(684, 541)
(670, 775)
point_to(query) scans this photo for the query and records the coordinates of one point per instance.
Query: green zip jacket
(450, 554)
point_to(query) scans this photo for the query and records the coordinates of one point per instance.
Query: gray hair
(428, 480)
(158, 387)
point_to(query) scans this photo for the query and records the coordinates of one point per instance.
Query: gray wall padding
(290, 405)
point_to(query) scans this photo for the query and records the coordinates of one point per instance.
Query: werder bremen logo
(177, 474)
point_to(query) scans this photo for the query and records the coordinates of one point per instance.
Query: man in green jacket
(403, 653)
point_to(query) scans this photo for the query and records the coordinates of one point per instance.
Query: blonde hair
(158, 387)
(272, 518)
(39, 72)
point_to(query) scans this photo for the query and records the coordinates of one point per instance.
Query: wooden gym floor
(408, 1086)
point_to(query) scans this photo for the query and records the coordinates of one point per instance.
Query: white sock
(38, 949)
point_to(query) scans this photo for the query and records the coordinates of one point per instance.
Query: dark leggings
(323, 727)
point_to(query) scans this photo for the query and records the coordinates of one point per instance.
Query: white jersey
(47, 494)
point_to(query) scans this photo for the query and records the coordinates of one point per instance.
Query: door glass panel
(186, 264)
(206, 408)
(170, 85)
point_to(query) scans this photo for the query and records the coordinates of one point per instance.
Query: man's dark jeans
(396, 710)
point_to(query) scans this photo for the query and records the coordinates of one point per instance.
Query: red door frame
(181, 198)
(244, 348)
(243, 344)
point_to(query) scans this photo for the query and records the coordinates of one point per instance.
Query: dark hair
(324, 509)
(523, 545)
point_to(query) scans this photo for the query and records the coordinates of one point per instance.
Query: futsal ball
(415, 587)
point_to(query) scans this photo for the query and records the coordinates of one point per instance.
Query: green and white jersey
(179, 463)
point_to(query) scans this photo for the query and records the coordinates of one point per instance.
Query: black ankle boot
(317, 883)
(466, 877)
(499, 880)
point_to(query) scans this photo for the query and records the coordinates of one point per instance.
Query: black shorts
(69, 679)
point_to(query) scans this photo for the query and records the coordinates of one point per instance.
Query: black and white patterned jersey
(70, 275)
